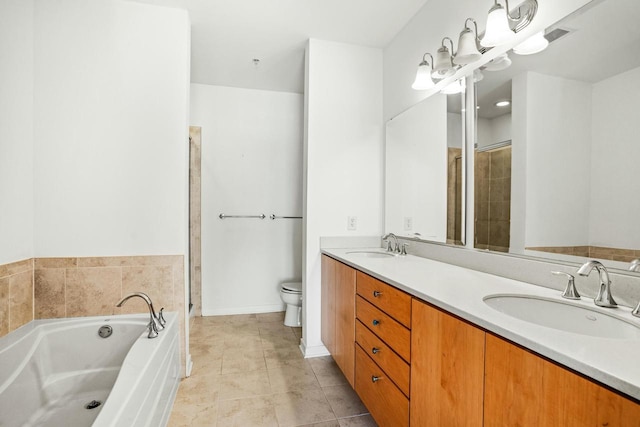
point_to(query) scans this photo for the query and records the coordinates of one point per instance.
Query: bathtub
(52, 370)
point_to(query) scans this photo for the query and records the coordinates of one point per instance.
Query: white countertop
(460, 291)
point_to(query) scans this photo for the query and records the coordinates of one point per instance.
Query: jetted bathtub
(65, 373)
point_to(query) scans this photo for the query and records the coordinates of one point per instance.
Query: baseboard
(244, 310)
(313, 351)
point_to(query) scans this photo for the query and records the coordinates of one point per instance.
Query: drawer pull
(375, 379)
(375, 350)
(375, 322)
(376, 294)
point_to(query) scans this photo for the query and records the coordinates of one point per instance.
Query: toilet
(291, 294)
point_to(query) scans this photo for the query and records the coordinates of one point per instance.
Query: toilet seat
(291, 288)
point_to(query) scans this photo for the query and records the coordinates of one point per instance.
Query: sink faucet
(391, 248)
(156, 322)
(604, 298)
(635, 265)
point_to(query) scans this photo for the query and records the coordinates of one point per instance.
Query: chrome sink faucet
(387, 238)
(604, 297)
(156, 321)
(635, 265)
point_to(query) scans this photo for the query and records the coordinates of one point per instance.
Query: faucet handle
(161, 317)
(404, 249)
(570, 292)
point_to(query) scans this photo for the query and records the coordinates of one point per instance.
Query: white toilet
(291, 294)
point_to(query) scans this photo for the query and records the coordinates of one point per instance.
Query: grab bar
(273, 216)
(223, 216)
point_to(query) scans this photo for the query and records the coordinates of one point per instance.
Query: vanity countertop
(460, 291)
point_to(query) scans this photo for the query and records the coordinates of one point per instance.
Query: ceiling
(228, 34)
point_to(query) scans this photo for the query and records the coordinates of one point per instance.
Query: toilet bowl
(291, 295)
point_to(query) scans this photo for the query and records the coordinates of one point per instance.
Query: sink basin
(372, 254)
(564, 316)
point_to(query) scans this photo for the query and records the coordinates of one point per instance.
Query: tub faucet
(635, 265)
(391, 248)
(604, 297)
(156, 322)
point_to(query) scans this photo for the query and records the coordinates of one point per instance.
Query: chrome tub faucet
(604, 297)
(156, 321)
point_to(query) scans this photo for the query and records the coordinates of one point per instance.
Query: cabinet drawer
(392, 364)
(388, 406)
(392, 301)
(391, 332)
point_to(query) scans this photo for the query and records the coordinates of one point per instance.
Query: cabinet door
(447, 367)
(523, 389)
(513, 385)
(345, 320)
(327, 298)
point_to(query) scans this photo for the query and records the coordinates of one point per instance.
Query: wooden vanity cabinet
(447, 369)
(413, 364)
(524, 389)
(338, 288)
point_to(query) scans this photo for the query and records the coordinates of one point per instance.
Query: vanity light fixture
(534, 44)
(468, 51)
(443, 66)
(423, 79)
(504, 103)
(502, 25)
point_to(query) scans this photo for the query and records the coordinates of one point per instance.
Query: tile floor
(248, 371)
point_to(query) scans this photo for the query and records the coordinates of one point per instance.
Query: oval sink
(563, 316)
(372, 254)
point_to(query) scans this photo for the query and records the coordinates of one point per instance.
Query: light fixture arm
(450, 41)
(475, 24)
(425, 62)
(526, 12)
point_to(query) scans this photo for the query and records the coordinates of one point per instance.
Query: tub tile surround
(43, 288)
(16, 295)
(248, 371)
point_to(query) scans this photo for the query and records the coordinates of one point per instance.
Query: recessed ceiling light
(503, 103)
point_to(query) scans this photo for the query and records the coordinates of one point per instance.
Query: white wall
(454, 130)
(111, 130)
(558, 160)
(615, 154)
(251, 164)
(343, 158)
(416, 170)
(16, 130)
(424, 33)
(494, 131)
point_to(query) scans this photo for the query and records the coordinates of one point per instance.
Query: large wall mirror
(424, 165)
(557, 157)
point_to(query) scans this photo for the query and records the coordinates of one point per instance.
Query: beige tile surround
(44, 288)
(248, 371)
(16, 295)
(600, 252)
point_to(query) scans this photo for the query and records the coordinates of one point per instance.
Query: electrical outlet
(408, 223)
(352, 222)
